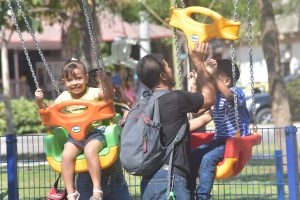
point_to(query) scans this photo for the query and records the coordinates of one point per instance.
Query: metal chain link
(253, 105)
(179, 63)
(14, 18)
(182, 4)
(99, 59)
(235, 13)
(45, 64)
(237, 120)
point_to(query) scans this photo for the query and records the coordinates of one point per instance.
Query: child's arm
(207, 88)
(119, 94)
(39, 96)
(211, 66)
(193, 81)
(109, 91)
(200, 121)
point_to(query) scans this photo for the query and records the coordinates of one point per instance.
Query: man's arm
(207, 87)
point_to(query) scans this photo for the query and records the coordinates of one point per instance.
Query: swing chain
(99, 59)
(233, 62)
(182, 4)
(179, 63)
(253, 108)
(14, 18)
(45, 64)
(235, 13)
(234, 85)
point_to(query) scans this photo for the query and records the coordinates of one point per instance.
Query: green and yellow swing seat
(58, 136)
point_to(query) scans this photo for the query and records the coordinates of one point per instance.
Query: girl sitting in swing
(75, 79)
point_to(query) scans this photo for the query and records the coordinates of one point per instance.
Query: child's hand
(39, 95)
(193, 77)
(211, 66)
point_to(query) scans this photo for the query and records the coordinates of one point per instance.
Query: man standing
(154, 72)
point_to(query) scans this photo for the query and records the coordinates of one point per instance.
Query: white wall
(259, 64)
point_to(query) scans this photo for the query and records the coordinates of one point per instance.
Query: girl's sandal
(75, 194)
(97, 198)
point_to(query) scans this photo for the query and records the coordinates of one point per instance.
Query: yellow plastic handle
(221, 27)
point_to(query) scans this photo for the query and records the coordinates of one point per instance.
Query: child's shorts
(96, 134)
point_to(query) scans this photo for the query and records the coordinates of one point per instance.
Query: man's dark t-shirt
(173, 108)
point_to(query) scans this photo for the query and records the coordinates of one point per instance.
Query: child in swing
(75, 79)
(206, 157)
(113, 182)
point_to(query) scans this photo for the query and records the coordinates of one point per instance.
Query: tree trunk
(5, 83)
(76, 39)
(280, 105)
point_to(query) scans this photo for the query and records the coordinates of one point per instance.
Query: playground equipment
(238, 149)
(72, 124)
(54, 144)
(194, 31)
(120, 53)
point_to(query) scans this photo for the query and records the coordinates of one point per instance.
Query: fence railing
(273, 172)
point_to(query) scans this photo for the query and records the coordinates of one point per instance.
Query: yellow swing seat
(194, 31)
(54, 145)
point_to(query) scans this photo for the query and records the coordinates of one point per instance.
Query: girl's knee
(91, 152)
(68, 157)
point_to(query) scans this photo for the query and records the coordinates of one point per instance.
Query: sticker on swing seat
(76, 129)
(194, 38)
(221, 27)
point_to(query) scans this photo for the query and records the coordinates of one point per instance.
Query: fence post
(292, 162)
(12, 172)
(279, 175)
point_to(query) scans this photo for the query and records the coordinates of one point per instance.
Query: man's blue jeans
(114, 187)
(155, 187)
(204, 161)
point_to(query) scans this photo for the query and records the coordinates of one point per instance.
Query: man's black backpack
(141, 150)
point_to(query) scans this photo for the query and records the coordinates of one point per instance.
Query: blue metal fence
(273, 172)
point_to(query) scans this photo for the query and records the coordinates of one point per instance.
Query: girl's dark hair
(224, 66)
(93, 78)
(149, 69)
(70, 65)
(93, 82)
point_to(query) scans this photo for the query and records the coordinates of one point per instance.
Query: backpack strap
(156, 114)
(56, 181)
(170, 150)
(180, 135)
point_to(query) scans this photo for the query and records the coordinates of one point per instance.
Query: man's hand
(198, 54)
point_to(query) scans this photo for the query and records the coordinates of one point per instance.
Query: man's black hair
(225, 66)
(149, 69)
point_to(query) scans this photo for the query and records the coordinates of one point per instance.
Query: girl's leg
(91, 151)
(67, 166)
